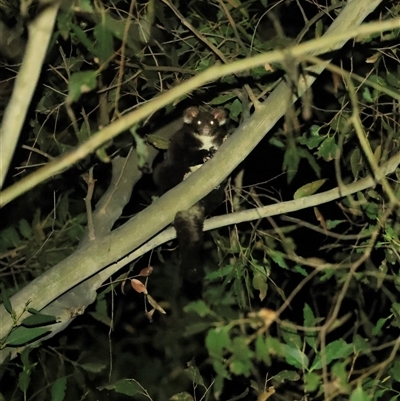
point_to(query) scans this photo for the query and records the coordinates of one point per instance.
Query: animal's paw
(210, 154)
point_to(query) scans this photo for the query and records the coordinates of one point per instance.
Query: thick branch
(94, 257)
(255, 214)
(40, 31)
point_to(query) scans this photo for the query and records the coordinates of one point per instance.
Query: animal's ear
(219, 115)
(189, 114)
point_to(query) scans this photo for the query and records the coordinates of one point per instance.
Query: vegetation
(300, 299)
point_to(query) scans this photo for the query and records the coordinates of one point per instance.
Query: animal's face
(203, 122)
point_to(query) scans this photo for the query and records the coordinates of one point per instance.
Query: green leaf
(83, 133)
(6, 300)
(395, 370)
(81, 35)
(340, 374)
(260, 284)
(309, 321)
(277, 143)
(259, 72)
(9, 238)
(359, 395)
(278, 258)
(262, 351)
(274, 346)
(220, 273)
(25, 376)
(313, 140)
(196, 328)
(37, 319)
(104, 46)
(23, 335)
(366, 94)
(308, 315)
(333, 223)
(222, 99)
(93, 367)
(184, 396)
(86, 6)
(369, 207)
(25, 229)
(124, 386)
(199, 307)
(79, 83)
(328, 149)
(204, 64)
(217, 340)
(291, 337)
(58, 389)
(239, 290)
(158, 141)
(335, 350)
(64, 22)
(289, 375)
(311, 381)
(193, 373)
(291, 162)
(360, 344)
(300, 270)
(341, 123)
(309, 189)
(395, 309)
(393, 80)
(241, 357)
(319, 29)
(295, 357)
(218, 386)
(305, 154)
(101, 317)
(235, 109)
(355, 162)
(23, 380)
(220, 369)
(117, 27)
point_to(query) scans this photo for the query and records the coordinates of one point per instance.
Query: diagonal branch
(40, 31)
(87, 261)
(342, 29)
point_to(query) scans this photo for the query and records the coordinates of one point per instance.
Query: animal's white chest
(207, 142)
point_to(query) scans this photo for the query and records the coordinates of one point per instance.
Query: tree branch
(95, 256)
(40, 31)
(340, 31)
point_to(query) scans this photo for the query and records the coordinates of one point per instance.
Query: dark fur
(186, 148)
(189, 148)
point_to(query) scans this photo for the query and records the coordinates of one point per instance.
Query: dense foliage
(293, 306)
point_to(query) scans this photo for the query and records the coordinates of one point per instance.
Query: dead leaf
(146, 271)
(138, 286)
(155, 305)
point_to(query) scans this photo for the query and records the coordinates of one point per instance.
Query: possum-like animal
(201, 136)
(198, 140)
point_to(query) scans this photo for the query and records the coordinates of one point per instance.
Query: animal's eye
(211, 122)
(198, 122)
